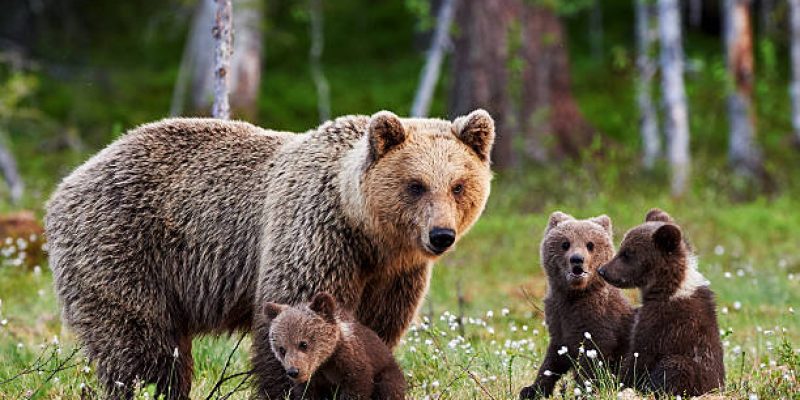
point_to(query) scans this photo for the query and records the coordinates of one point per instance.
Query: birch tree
(223, 39)
(433, 63)
(195, 82)
(648, 118)
(674, 95)
(8, 167)
(794, 87)
(315, 60)
(743, 151)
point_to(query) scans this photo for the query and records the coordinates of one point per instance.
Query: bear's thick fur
(182, 226)
(675, 345)
(325, 353)
(578, 301)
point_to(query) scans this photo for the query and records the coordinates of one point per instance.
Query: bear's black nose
(441, 239)
(292, 372)
(602, 272)
(576, 259)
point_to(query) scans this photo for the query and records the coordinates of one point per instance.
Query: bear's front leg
(553, 367)
(388, 306)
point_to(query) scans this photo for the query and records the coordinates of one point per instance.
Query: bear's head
(572, 250)
(304, 337)
(425, 181)
(654, 257)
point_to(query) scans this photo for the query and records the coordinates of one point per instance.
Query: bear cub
(578, 302)
(675, 345)
(326, 353)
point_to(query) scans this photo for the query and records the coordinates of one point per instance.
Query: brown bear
(675, 346)
(326, 353)
(588, 320)
(180, 227)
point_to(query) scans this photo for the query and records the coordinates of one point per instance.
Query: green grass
(748, 250)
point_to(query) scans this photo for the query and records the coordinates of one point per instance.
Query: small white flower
(4, 322)
(678, 397)
(82, 385)
(56, 380)
(740, 272)
(577, 391)
(728, 275)
(724, 310)
(37, 270)
(489, 314)
(563, 350)
(55, 339)
(175, 353)
(119, 384)
(636, 355)
(752, 396)
(737, 305)
(591, 353)
(547, 372)
(587, 335)
(435, 384)
(719, 250)
(504, 311)
(86, 369)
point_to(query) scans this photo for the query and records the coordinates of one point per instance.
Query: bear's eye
(458, 189)
(416, 189)
(626, 254)
(303, 346)
(565, 246)
(590, 246)
(282, 351)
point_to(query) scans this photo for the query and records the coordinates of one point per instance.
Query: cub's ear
(557, 218)
(272, 310)
(605, 222)
(324, 305)
(385, 133)
(476, 130)
(667, 238)
(658, 215)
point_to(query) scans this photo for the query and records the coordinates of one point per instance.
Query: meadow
(480, 334)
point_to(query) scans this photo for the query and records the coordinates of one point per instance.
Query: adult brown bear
(181, 227)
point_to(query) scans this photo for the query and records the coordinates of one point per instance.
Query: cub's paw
(531, 392)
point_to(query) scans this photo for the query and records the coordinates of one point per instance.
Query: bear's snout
(441, 239)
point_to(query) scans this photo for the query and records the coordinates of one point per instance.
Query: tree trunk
(223, 38)
(743, 150)
(8, 167)
(511, 59)
(195, 80)
(767, 19)
(648, 118)
(695, 12)
(479, 73)
(794, 86)
(430, 73)
(674, 93)
(315, 59)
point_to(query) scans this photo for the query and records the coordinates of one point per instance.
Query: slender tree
(695, 12)
(648, 118)
(743, 150)
(8, 167)
(223, 38)
(195, 81)
(433, 63)
(675, 110)
(794, 87)
(315, 59)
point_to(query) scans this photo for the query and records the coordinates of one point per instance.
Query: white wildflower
(563, 350)
(719, 250)
(591, 353)
(577, 391)
(86, 369)
(547, 372)
(587, 335)
(504, 312)
(737, 305)
(636, 355)
(752, 396)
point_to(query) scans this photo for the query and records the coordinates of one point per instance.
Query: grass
(748, 250)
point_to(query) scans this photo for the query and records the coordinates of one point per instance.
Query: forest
(601, 107)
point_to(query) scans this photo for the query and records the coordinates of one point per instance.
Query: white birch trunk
(8, 167)
(743, 151)
(431, 71)
(196, 70)
(223, 38)
(315, 59)
(648, 118)
(794, 86)
(245, 70)
(674, 93)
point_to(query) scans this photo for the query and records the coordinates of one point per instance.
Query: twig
(224, 379)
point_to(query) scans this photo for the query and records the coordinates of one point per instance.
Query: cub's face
(427, 181)
(572, 250)
(646, 255)
(302, 338)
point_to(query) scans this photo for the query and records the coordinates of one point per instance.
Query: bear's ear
(605, 222)
(324, 305)
(385, 133)
(272, 310)
(557, 218)
(476, 130)
(667, 238)
(658, 215)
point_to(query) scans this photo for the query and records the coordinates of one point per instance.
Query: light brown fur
(181, 226)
